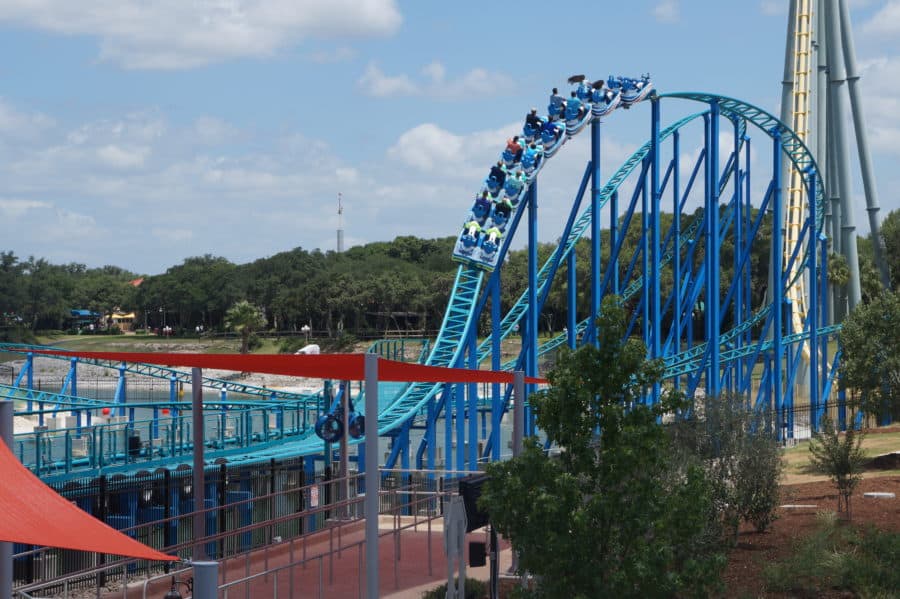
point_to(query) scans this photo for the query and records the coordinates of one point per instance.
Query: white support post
(373, 479)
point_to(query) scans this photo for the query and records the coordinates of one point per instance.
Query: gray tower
(340, 229)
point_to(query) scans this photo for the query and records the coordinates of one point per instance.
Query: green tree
(841, 458)
(614, 515)
(870, 365)
(245, 318)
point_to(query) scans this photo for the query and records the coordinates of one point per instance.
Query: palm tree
(245, 318)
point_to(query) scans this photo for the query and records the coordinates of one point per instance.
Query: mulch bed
(744, 574)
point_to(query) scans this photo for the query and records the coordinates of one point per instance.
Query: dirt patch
(744, 574)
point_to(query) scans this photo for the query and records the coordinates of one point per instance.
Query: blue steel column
(777, 281)
(748, 288)
(496, 397)
(656, 348)
(531, 330)
(473, 399)
(713, 387)
(460, 426)
(715, 297)
(645, 261)
(572, 299)
(29, 365)
(613, 240)
(676, 245)
(812, 315)
(595, 230)
(738, 248)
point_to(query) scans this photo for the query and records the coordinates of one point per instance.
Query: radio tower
(340, 229)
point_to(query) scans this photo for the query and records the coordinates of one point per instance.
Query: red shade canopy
(35, 514)
(342, 367)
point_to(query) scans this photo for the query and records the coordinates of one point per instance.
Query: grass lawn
(797, 466)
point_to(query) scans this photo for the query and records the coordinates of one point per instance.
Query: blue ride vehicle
(635, 90)
(553, 136)
(604, 101)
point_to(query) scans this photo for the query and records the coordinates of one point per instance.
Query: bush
(17, 334)
(475, 589)
(841, 459)
(737, 448)
(254, 342)
(838, 556)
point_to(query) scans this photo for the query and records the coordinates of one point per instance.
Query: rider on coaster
(598, 94)
(514, 147)
(494, 235)
(557, 105)
(553, 129)
(532, 156)
(514, 185)
(482, 206)
(574, 108)
(498, 175)
(471, 231)
(504, 206)
(534, 121)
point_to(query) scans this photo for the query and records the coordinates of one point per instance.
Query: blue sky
(138, 133)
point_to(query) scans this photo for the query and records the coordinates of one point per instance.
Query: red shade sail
(35, 514)
(342, 367)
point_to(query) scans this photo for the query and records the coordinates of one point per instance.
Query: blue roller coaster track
(755, 354)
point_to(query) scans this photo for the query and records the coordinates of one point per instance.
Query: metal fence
(247, 510)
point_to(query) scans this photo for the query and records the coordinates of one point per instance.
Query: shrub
(738, 450)
(842, 459)
(253, 342)
(475, 589)
(836, 556)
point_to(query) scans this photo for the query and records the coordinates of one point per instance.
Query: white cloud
(880, 84)
(14, 208)
(477, 83)
(172, 234)
(432, 149)
(68, 225)
(122, 158)
(435, 71)
(773, 7)
(885, 22)
(212, 131)
(341, 54)
(667, 11)
(427, 146)
(20, 125)
(174, 34)
(375, 83)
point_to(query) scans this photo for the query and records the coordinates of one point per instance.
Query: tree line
(366, 290)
